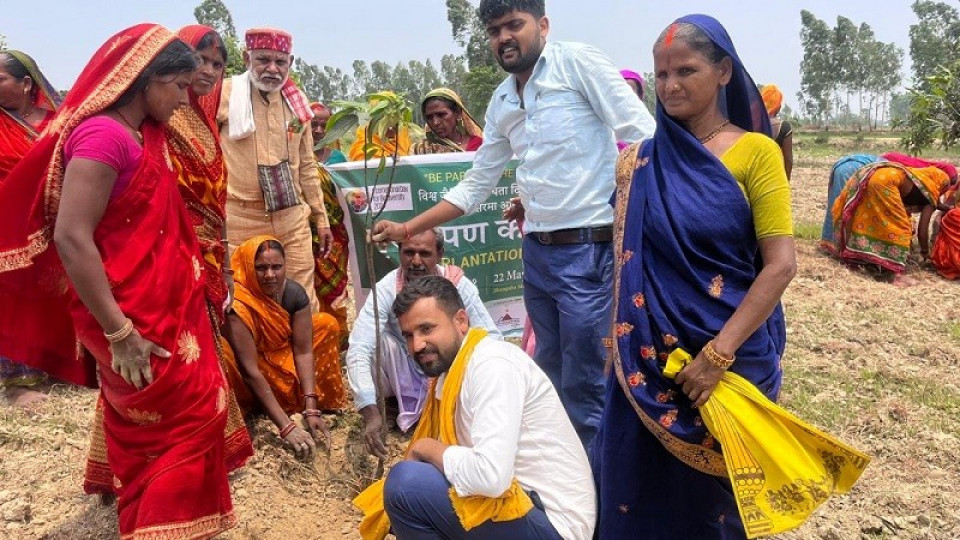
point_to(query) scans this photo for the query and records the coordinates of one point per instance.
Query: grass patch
(953, 330)
(833, 398)
(807, 231)
(839, 143)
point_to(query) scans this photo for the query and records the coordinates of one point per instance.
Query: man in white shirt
(399, 374)
(509, 424)
(560, 111)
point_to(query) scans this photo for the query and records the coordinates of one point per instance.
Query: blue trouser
(416, 497)
(568, 292)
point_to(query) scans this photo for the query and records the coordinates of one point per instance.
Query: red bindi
(670, 34)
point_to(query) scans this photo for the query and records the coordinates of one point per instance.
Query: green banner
(484, 245)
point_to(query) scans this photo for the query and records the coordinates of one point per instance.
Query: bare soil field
(875, 364)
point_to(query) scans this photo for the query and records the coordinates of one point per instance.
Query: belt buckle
(544, 238)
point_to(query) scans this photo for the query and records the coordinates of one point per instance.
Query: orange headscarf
(772, 99)
(266, 318)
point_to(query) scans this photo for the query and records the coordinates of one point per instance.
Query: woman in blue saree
(705, 250)
(842, 170)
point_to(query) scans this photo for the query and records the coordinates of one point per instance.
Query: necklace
(29, 114)
(279, 296)
(127, 122)
(709, 136)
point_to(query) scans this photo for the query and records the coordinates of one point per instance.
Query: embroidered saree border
(694, 455)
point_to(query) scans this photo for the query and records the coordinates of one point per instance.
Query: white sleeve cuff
(452, 457)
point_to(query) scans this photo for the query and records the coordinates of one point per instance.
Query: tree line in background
(848, 77)
(474, 74)
(933, 115)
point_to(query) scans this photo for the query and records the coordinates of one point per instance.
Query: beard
(267, 86)
(444, 359)
(524, 61)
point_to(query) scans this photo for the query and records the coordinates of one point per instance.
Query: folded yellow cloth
(437, 422)
(781, 468)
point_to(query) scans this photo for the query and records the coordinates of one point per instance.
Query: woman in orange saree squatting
(124, 284)
(195, 153)
(27, 104)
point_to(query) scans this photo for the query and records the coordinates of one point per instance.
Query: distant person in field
(842, 170)
(330, 267)
(945, 255)
(781, 129)
(27, 104)
(331, 153)
(449, 125)
(872, 222)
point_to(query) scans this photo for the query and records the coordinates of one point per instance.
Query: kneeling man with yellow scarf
(494, 455)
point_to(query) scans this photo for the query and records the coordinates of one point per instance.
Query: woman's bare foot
(901, 280)
(24, 396)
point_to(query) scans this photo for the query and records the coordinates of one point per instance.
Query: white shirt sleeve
(493, 394)
(363, 343)
(488, 165)
(610, 96)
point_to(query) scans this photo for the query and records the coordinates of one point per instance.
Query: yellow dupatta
(781, 468)
(437, 422)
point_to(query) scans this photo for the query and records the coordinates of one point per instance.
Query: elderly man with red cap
(273, 186)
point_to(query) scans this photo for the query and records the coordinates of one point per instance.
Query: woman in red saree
(27, 104)
(124, 284)
(194, 147)
(197, 156)
(945, 255)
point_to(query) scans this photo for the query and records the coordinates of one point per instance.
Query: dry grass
(870, 362)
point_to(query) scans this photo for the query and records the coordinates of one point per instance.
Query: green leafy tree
(899, 110)
(469, 33)
(362, 79)
(382, 75)
(453, 72)
(934, 117)
(817, 69)
(847, 70)
(936, 33)
(484, 73)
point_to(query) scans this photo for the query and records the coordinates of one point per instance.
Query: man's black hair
(490, 10)
(439, 288)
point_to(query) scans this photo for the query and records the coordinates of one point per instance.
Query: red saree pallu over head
(197, 156)
(165, 442)
(16, 134)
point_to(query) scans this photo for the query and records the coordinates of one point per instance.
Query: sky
(766, 33)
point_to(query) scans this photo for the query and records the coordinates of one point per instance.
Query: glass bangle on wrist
(287, 429)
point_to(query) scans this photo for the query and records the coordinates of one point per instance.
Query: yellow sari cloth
(781, 468)
(269, 323)
(379, 147)
(437, 422)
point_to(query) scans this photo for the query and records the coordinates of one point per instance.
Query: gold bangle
(121, 334)
(716, 358)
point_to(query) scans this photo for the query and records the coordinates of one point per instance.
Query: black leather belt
(587, 235)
